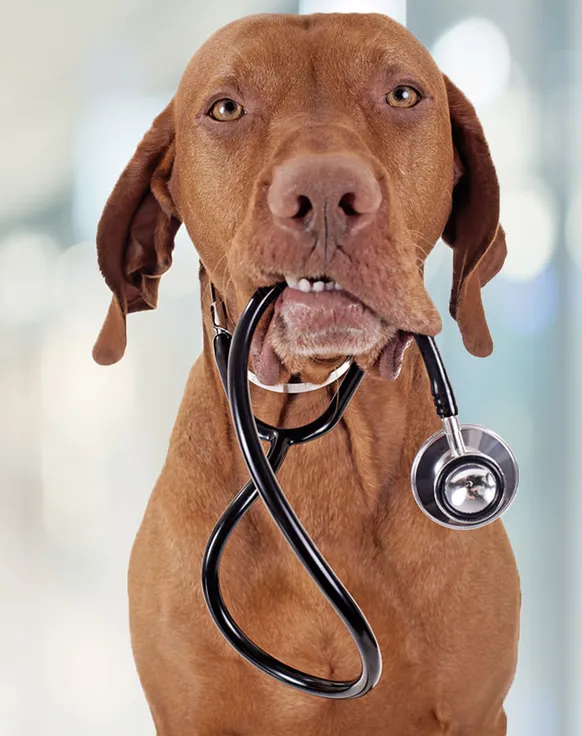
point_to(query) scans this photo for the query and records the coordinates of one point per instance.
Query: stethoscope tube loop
(262, 469)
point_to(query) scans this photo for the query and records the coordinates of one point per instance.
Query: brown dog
(327, 148)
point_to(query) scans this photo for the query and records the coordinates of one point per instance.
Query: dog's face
(327, 151)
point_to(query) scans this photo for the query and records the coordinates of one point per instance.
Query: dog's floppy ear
(473, 230)
(135, 237)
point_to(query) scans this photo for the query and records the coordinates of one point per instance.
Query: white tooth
(337, 286)
(330, 286)
(304, 285)
(318, 286)
(291, 281)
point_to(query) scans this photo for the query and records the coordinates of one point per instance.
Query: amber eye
(226, 110)
(403, 96)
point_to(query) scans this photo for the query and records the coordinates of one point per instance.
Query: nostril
(347, 204)
(304, 208)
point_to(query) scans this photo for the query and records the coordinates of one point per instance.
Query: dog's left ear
(135, 237)
(473, 230)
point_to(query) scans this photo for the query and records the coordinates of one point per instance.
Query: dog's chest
(280, 608)
(350, 517)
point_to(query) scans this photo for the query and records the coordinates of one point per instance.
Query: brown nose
(324, 194)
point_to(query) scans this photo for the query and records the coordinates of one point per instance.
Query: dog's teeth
(308, 285)
(337, 287)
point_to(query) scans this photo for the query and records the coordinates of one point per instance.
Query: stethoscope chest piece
(465, 490)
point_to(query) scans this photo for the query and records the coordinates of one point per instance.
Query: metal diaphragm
(468, 491)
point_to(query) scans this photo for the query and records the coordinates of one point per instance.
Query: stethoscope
(463, 477)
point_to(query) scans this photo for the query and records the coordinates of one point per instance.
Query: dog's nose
(324, 194)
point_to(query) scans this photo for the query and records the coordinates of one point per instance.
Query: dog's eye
(403, 96)
(226, 110)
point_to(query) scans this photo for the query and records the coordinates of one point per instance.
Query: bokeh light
(106, 139)
(394, 8)
(26, 262)
(529, 219)
(475, 54)
(529, 307)
(574, 229)
(76, 286)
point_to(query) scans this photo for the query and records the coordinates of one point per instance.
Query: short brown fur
(447, 622)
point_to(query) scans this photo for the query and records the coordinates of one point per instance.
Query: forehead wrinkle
(255, 66)
(391, 59)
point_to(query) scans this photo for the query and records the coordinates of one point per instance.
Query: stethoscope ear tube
(440, 386)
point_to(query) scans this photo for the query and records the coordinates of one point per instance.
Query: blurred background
(79, 452)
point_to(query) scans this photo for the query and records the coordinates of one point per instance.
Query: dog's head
(328, 151)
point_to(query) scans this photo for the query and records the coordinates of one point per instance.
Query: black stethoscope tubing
(232, 357)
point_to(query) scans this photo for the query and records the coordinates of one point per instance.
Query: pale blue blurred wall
(79, 450)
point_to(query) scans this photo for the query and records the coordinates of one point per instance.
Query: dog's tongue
(392, 356)
(266, 364)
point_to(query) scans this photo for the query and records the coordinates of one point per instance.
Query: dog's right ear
(135, 237)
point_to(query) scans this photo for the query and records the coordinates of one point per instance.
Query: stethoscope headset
(463, 477)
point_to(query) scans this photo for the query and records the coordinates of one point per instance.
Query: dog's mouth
(316, 318)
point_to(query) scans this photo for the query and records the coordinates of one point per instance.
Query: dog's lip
(395, 317)
(324, 306)
(348, 313)
(325, 323)
(351, 310)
